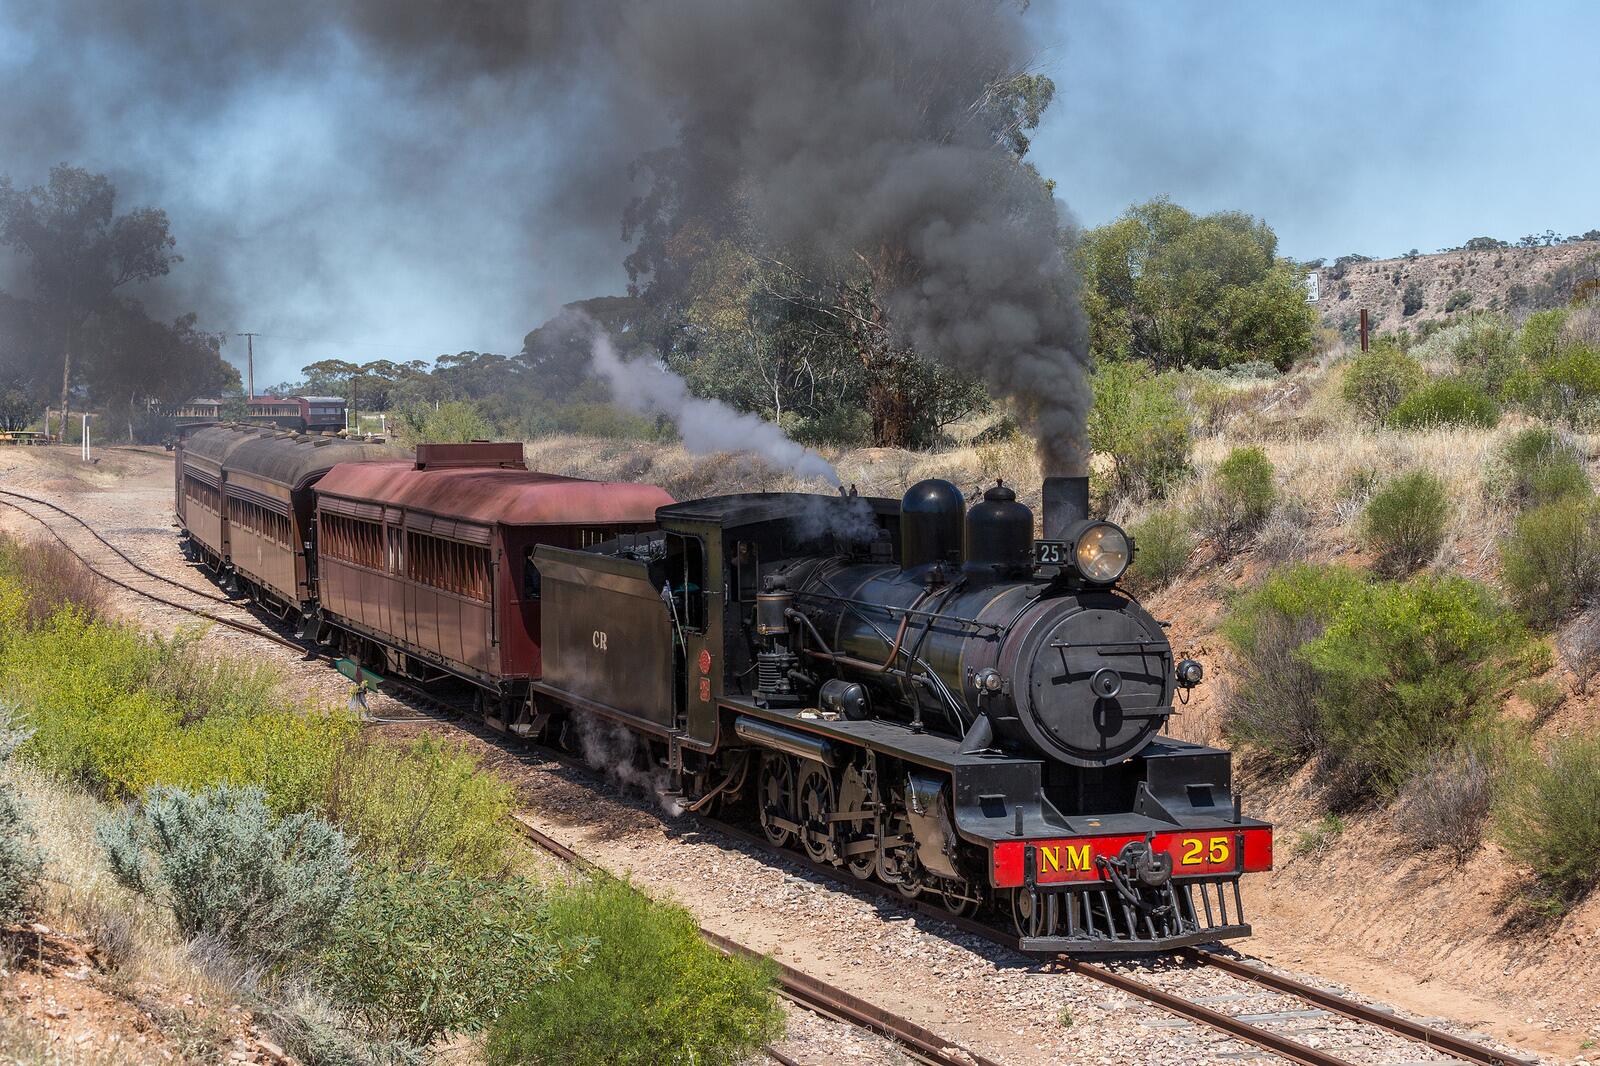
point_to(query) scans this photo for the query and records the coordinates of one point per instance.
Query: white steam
(617, 752)
(706, 426)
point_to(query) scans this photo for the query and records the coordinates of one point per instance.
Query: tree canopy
(73, 329)
(1178, 289)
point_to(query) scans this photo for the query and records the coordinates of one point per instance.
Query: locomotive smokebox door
(1099, 688)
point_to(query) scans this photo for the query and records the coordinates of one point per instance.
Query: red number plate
(1207, 851)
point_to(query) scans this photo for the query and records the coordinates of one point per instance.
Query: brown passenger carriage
(245, 495)
(426, 568)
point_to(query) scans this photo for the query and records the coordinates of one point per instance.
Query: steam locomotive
(910, 690)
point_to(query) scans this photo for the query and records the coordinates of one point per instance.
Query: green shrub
(1271, 700)
(1411, 299)
(1411, 668)
(1139, 422)
(1541, 335)
(1545, 816)
(1484, 350)
(1568, 384)
(1458, 301)
(1536, 466)
(1163, 543)
(21, 861)
(1543, 696)
(1376, 381)
(1551, 559)
(651, 991)
(1240, 495)
(1368, 677)
(1320, 837)
(1575, 370)
(228, 868)
(422, 803)
(317, 1032)
(451, 422)
(418, 954)
(1404, 522)
(845, 427)
(1446, 402)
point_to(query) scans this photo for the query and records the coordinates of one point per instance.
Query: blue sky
(1350, 127)
(322, 203)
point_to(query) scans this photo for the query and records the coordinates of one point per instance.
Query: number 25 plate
(1051, 552)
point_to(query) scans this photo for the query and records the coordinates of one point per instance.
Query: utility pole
(250, 363)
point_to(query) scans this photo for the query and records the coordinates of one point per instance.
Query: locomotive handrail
(891, 610)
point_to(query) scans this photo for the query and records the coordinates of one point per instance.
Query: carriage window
(450, 565)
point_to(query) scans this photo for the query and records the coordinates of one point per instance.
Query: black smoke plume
(363, 166)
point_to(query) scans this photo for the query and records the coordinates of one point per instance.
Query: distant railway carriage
(426, 568)
(245, 496)
(300, 414)
(195, 412)
(322, 414)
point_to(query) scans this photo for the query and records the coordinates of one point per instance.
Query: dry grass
(53, 577)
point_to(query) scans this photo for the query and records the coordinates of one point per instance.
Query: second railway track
(829, 1001)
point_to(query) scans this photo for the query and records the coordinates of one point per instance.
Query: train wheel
(1031, 914)
(954, 895)
(910, 888)
(816, 804)
(853, 797)
(775, 797)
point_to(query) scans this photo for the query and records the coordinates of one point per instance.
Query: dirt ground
(1429, 939)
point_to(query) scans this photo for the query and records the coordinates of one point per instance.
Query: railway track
(231, 623)
(803, 989)
(1186, 1008)
(832, 1002)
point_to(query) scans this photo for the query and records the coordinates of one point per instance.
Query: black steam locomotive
(917, 693)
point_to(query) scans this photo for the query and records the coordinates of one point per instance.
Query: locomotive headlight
(1102, 553)
(987, 680)
(1190, 673)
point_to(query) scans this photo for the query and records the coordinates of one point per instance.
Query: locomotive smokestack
(1066, 500)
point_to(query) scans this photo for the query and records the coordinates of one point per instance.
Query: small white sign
(1311, 287)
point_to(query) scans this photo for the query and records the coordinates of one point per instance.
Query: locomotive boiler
(922, 694)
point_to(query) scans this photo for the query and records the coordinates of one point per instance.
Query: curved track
(833, 1002)
(231, 623)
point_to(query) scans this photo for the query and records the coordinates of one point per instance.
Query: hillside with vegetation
(1416, 292)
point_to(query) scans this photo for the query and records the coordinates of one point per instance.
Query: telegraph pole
(250, 363)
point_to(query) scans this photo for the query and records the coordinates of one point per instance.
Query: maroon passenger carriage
(426, 569)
